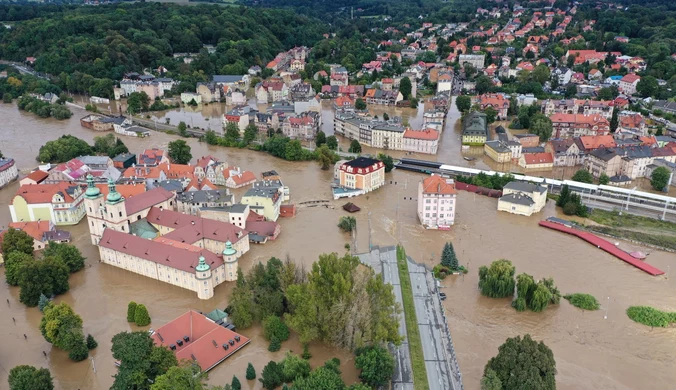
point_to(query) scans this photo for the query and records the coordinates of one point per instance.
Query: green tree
(564, 196)
(14, 263)
(91, 342)
(140, 360)
(647, 86)
(497, 281)
(320, 139)
(614, 121)
(405, 88)
(235, 383)
(131, 311)
(250, 372)
(448, 257)
(250, 133)
(542, 126)
(182, 129)
(347, 224)
(48, 276)
(141, 316)
(386, 117)
(186, 377)
(376, 365)
(463, 102)
(231, 132)
(137, 102)
(275, 329)
(583, 176)
(63, 328)
(79, 352)
(325, 157)
(67, 253)
(659, 178)
(275, 345)
(272, 375)
(523, 362)
(491, 114)
(541, 74)
(387, 161)
(293, 150)
(355, 147)
(320, 378)
(43, 302)
(412, 102)
(211, 138)
(360, 104)
(604, 179)
(483, 84)
(179, 152)
(571, 90)
(16, 240)
(63, 149)
(490, 381)
(294, 367)
(332, 302)
(30, 378)
(332, 142)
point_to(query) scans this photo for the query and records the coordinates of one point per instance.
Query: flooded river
(591, 352)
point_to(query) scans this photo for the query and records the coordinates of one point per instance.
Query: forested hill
(107, 41)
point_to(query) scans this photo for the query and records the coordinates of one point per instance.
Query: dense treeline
(106, 41)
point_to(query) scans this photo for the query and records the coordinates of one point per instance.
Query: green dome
(92, 191)
(113, 195)
(229, 250)
(202, 266)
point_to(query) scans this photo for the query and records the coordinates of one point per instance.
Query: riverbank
(644, 230)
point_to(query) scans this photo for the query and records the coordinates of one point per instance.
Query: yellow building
(265, 198)
(522, 198)
(498, 151)
(474, 129)
(362, 173)
(60, 203)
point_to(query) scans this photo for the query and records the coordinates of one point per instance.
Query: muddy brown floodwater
(591, 352)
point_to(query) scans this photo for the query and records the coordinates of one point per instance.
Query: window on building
(120, 213)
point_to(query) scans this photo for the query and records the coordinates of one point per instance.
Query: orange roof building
(437, 202)
(577, 125)
(35, 177)
(59, 203)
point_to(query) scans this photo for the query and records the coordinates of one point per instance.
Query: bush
(141, 316)
(235, 383)
(650, 316)
(91, 342)
(347, 224)
(306, 352)
(275, 345)
(79, 352)
(570, 208)
(583, 301)
(272, 375)
(498, 280)
(131, 311)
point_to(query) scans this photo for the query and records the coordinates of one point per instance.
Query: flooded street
(591, 353)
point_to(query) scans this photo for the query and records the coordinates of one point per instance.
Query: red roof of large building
(205, 343)
(438, 185)
(600, 141)
(43, 193)
(147, 200)
(37, 176)
(164, 251)
(190, 229)
(426, 134)
(630, 78)
(35, 229)
(126, 190)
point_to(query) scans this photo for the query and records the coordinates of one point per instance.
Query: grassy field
(420, 381)
(647, 230)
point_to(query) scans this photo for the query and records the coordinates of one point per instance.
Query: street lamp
(605, 317)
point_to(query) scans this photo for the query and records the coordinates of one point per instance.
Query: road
(23, 69)
(443, 372)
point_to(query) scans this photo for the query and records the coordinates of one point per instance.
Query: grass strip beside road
(650, 231)
(420, 381)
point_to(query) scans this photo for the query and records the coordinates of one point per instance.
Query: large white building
(522, 198)
(8, 171)
(437, 202)
(144, 235)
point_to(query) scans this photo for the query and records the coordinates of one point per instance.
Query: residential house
(232, 81)
(631, 124)
(628, 83)
(153, 157)
(522, 198)
(42, 233)
(304, 126)
(265, 198)
(444, 82)
(575, 125)
(562, 75)
(528, 140)
(476, 60)
(383, 97)
(565, 151)
(421, 141)
(8, 171)
(190, 202)
(437, 202)
(604, 161)
(60, 203)
(497, 101)
(35, 177)
(239, 116)
(237, 178)
(537, 161)
(191, 98)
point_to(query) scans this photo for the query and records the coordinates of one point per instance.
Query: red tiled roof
(43, 193)
(35, 229)
(438, 185)
(205, 343)
(167, 252)
(190, 229)
(538, 158)
(147, 200)
(599, 141)
(630, 78)
(244, 177)
(37, 176)
(126, 190)
(427, 134)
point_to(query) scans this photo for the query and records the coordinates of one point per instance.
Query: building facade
(522, 198)
(8, 171)
(362, 173)
(437, 202)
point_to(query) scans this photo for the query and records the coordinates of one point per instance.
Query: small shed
(351, 207)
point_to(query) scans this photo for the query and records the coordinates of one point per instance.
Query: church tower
(93, 204)
(102, 213)
(205, 283)
(230, 260)
(116, 212)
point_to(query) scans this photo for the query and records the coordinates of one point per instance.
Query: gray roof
(169, 185)
(498, 146)
(535, 149)
(525, 187)
(519, 198)
(475, 124)
(205, 196)
(94, 160)
(124, 157)
(605, 154)
(226, 78)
